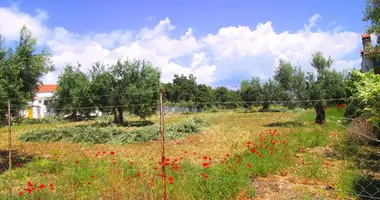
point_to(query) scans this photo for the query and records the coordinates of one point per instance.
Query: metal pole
(10, 147)
(163, 146)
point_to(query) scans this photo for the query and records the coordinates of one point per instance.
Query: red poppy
(249, 165)
(92, 176)
(18, 164)
(227, 155)
(77, 162)
(52, 189)
(156, 168)
(235, 183)
(181, 158)
(89, 183)
(138, 175)
(112, 153)
(20, 193)
(303, 149)
(171, 179)
(131, 162)
(51, 184)
(205, 164)
(253, 150)
(42, 186)
(28, 190)
(30, 184)
(327, 163)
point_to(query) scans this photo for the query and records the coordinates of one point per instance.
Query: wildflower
(104, 152)
(92, 176)
(156, 168)
(303, 149)
(260, 156)
(205, 157)
(51, 185)
(284, 142)
(30, 184)
(205, 164)
(28, 190)
(89, 183)
(138, 175)
(18, 164)
(235, 183)
(77, 162)
(171, 179)
(204, 175)
(194, 153)
(227, 155)
(52, 189)
(114, 162)
(327, 163)
(333, 134)
(20, 193)
(249, 165)
(42, 186)
(112, 153)
(131, 162)
(253, 150)
(181, 158)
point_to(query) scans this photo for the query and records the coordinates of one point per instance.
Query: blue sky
(221, 42)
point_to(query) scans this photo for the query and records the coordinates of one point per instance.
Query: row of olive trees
(296, 88)
(21, 71)
(130, 85)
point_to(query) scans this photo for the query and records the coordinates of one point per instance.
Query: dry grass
(228, 132)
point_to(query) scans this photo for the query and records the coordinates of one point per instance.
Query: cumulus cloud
(235, 51)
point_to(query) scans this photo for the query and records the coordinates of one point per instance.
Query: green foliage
(73, 92)
(21, 70)
(372, 15)
(251, 91)
(98, 134)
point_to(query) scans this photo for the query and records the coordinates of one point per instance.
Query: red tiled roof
(47, 88)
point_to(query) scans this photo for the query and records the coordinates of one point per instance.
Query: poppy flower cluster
(206, 162)
(39, 188)
(342, 106)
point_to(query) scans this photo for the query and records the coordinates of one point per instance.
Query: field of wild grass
(217, 155)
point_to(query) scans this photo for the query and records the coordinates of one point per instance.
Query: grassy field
(277, 155)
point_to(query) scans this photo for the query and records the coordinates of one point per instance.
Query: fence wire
(228, 150)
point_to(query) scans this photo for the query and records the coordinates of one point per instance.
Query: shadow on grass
(125, 124)
(290, 124)
(18, 160)
(367, 187)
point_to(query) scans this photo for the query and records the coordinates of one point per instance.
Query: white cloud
(255, 50)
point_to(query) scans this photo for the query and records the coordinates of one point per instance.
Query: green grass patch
(92, 134)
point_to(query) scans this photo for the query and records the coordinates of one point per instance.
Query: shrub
(361, 131)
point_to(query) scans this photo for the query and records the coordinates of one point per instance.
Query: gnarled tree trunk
(320, 113)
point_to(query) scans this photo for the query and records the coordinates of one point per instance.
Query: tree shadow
(367, 187)
(139, 123)
(18, 160)
(289, 124)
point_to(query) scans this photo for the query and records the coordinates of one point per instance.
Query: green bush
(94, 134)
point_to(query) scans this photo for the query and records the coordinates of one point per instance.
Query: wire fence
(216, 152)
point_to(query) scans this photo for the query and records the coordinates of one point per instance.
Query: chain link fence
(218, 151)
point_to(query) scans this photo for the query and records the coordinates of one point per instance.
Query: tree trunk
(121, 116)
(320, 113)
(265, 107)
(115, 116)
(74, 115)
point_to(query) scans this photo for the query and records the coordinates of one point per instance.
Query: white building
(42, 103)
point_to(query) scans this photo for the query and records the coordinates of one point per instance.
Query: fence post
(10, 148)
(163, 159)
